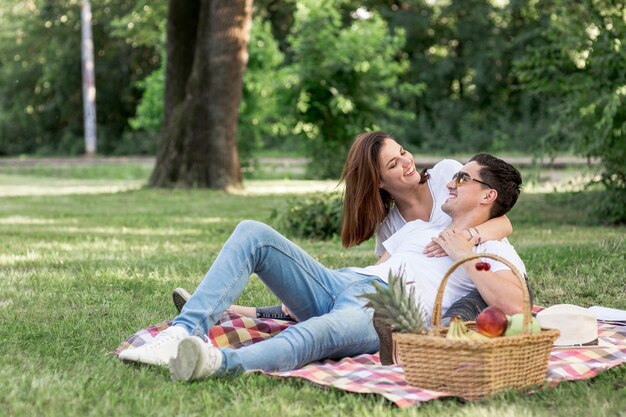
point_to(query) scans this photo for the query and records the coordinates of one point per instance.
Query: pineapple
(396, 306)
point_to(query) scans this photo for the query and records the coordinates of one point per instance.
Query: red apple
(492, 322)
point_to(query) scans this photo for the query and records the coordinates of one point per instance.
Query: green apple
(516, 322)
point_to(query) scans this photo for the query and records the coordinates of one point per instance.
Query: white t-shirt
(406, 248)
(440, 175)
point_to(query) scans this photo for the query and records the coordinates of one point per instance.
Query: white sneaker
(159, 350)
(195, 360)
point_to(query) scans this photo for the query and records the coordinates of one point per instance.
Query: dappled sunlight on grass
(123, 230)
(34, 220)
(260, 187)
(125, 252)
(20, 186)
(198, 220)
(14, 258)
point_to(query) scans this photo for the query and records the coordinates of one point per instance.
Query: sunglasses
(462, 177)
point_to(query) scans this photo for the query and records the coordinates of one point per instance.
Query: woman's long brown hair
(365, 204)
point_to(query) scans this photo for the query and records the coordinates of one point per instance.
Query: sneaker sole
(180, 297)
(182, 366)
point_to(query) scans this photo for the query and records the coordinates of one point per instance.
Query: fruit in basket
(397, 306)
(516, 323)
(459, 331)
(492, 322)
(480, 266)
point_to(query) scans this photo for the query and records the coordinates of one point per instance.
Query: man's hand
(454, 244)
(434, 250)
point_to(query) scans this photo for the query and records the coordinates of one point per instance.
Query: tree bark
(198, 139)
(182, 28)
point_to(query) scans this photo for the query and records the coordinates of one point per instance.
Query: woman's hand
(454, 243)
(286, 311)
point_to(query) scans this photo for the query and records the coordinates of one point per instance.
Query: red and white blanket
(365, 375)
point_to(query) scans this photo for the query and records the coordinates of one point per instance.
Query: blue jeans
(333, 322)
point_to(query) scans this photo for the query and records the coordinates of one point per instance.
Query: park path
(420, 161)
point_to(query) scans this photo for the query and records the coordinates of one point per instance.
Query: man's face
(469, 194)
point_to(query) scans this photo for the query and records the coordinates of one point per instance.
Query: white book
(608, 314)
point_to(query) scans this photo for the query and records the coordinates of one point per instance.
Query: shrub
(347, 76)
(314, 217)
(610, 206)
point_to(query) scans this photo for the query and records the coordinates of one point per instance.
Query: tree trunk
(182, 29)
(89, 81)
(207, 55)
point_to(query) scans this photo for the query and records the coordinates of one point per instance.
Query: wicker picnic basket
(474, 369)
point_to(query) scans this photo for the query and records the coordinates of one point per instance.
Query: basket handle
(436, 317)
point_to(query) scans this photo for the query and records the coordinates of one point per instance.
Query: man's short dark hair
(504, 178)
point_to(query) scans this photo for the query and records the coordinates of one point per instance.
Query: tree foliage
(346, 76)
(578, 66)
(263, 116)
(40, 78)
(443, 75)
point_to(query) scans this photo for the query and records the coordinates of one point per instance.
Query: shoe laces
(164, 337)
(215, 356)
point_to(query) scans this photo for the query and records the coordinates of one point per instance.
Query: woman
(384, 191)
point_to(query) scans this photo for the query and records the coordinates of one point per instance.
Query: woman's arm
(383, 258)
(493, 229)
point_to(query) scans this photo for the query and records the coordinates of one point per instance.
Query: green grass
(81, 272)
(77, 170)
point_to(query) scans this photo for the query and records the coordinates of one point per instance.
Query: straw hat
(578, 325)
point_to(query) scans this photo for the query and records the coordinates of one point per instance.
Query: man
(327, 303)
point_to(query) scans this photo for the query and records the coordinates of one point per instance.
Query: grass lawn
(82, 268)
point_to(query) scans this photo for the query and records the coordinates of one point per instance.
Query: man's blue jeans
(332, 320)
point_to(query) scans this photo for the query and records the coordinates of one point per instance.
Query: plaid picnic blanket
(364, 374)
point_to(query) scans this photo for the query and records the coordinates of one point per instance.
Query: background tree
(264, 117)
(347, 71)
(40, 77)
(443, 75)
(577, 65)
(89, 82)
(206, 58)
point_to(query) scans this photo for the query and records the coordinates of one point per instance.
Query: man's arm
(501, 289)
